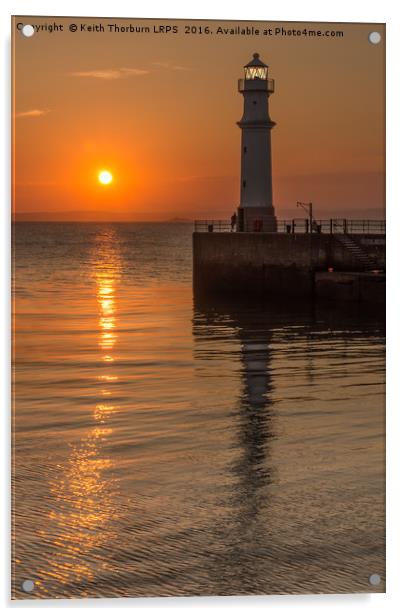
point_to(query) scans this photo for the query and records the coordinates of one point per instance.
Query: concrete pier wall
(274, 263)
(350, 287)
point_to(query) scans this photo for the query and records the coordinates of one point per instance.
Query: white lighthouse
(256, 211)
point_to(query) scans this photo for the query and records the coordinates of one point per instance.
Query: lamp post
(307, 207)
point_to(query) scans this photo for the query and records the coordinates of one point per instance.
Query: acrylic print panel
(198, 409)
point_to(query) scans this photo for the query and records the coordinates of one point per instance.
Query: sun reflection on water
(84, 489)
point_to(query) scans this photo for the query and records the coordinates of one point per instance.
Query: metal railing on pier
(219, 226)
(302, 225)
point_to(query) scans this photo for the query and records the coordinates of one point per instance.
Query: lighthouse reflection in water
(302, 406)
(170, 446)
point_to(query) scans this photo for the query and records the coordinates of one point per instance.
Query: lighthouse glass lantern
(256, 69)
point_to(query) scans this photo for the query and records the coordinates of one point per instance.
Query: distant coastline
(88, 217)
(43, 217)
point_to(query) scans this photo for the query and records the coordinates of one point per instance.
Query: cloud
(111, 73)
(32, 113)
(172, 67)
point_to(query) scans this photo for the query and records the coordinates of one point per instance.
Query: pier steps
(357, 251)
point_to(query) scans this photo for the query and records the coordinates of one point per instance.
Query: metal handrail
(217, 226)
(302, 225)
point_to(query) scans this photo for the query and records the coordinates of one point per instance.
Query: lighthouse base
(252, 219)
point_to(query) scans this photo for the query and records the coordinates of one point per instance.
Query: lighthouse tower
(256, 211)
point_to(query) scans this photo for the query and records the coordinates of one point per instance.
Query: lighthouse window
(244, 183)
(254, 102)
(245, 149)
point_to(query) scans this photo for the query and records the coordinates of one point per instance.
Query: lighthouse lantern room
(256, 211)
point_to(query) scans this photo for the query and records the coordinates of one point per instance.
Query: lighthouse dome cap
(256, 61)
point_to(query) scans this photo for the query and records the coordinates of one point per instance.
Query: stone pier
(276, 264)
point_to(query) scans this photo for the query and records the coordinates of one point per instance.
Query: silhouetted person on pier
(233, 221)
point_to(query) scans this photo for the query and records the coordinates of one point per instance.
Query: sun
(105, 177)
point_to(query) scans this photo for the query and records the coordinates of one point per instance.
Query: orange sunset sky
(160, 111)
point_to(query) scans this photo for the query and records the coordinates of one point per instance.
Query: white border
(284, 10)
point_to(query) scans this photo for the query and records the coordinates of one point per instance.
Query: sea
(165, 444)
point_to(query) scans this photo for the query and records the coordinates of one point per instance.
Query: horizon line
(183, 221)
